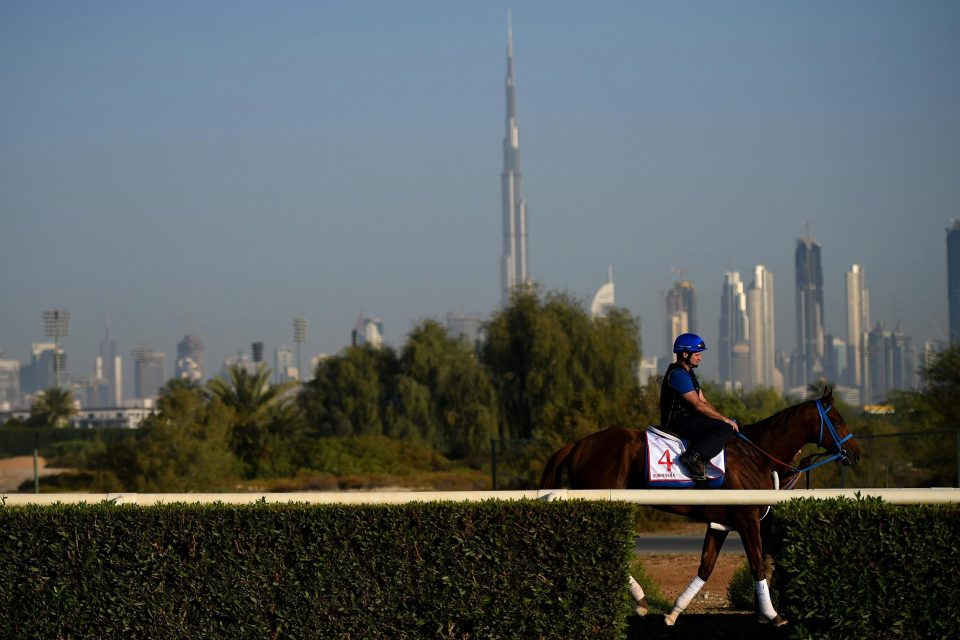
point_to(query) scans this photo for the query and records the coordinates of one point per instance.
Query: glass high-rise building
(810, 329)
(110, 372)
(605, 299)
(190, 358)
(513, 266)
(858, 323)
(953, 278)
(760, 311)
(148, 375)
(40, 374)
(681, 308)
(367, 331)
(284, 365)
(9, 383)
(734, 332)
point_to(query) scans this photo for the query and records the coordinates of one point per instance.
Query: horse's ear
(827, 392)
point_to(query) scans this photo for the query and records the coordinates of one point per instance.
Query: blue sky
(219, 168)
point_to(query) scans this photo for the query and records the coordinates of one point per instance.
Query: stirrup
(694, 463)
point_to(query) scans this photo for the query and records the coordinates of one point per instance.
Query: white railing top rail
(639, 496)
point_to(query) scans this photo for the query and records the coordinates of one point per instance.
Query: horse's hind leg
(712, 542)
(641, 607)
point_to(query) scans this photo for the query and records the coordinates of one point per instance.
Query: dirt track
(16, 471)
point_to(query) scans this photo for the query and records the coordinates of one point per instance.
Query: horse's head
(834, 435)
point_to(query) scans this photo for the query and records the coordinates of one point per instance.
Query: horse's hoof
(642, 608)
(777, 621)
(671, 618)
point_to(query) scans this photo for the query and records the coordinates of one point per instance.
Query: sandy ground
(675, 571)
(16, 471)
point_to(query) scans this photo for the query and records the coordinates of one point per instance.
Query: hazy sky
(219, 168)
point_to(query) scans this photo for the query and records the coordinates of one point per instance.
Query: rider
(686, 412)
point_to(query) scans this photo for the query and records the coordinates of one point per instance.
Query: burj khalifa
(513, 266)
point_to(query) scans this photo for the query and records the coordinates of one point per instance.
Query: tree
(180, 383)
(445, 394)
(53, 408)
(353, 394)
(556, 370)
(934, 407)
(184, 447)
(262, 419)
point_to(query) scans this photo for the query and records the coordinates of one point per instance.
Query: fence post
(36, 473)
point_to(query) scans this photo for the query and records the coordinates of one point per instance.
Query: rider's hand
(732, 423)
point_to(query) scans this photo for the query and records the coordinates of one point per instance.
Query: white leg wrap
(688, 594)
(636, 590)
(764, 606)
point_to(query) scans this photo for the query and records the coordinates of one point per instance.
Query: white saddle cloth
(663, 468)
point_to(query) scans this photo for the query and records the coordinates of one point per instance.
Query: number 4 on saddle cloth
(663, 468)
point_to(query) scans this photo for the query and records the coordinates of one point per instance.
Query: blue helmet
(689, 342)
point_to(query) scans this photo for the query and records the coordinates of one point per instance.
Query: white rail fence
(651, 497)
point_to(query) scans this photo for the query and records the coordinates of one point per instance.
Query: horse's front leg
(712, 542)
(749, 528)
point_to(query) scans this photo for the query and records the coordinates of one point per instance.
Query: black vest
(673, 408)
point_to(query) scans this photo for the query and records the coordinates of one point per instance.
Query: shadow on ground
(715, 626)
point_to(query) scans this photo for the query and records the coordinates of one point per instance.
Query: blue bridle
(839, 452)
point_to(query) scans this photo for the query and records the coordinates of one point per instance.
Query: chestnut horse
(615, 459)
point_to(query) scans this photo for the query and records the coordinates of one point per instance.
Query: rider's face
(695, 359)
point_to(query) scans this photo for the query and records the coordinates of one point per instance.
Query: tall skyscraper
(110, 371)
(9, 384)
(513, 266)
(681, 308)
(368, 331)
(605, 299)
(904, 361)
(284, 365)
(40, 374)
(148, 376)
(760, 311)
(879, 364)
(891, 365)
(858, 323)
(810, 333)
(734, 332)
(190, 358)
(953, 278)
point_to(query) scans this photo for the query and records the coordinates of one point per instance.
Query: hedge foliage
(867, 569)
(444, 570)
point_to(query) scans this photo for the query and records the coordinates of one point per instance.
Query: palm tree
(255, 403)
(53, 408)
(250, 395)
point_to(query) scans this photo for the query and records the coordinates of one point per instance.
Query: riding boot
(694, 463)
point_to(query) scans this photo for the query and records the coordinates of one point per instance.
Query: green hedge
(867, 569)
(446, 570)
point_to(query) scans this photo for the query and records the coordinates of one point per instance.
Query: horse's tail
(552, 473)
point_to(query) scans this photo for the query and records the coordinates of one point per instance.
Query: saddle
(662, 468)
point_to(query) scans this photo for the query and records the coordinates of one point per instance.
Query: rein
(838, 454)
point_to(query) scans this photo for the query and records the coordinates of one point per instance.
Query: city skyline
(219, 170)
